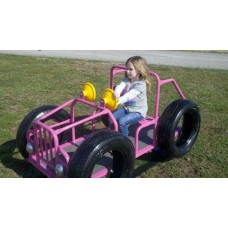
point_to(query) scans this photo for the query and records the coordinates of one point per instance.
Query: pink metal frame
(48, 152)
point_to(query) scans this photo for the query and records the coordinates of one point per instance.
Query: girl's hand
(116, 95)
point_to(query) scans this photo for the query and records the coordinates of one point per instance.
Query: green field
(28, 82)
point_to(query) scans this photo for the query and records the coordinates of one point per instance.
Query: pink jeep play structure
(61, 143)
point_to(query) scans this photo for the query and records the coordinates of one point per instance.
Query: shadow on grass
(24, 169)
(8, 157)
(151, 160)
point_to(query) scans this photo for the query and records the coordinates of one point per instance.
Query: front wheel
(178, 127)
(104, 154)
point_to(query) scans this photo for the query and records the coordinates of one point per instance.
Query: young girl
(132, 92)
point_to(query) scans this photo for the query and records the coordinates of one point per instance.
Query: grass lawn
(28, 82)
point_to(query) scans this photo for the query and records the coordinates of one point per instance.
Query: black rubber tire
(34, 115)
(93, 148)
(186, 111)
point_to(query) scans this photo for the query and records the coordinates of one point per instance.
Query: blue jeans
(125, 118)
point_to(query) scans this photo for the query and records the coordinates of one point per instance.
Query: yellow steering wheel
(89, 92)
(110, 101)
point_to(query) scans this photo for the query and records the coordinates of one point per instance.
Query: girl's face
(131, 72)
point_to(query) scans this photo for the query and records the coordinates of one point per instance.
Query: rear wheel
(178, 127)
(34, 115)
(104, 154)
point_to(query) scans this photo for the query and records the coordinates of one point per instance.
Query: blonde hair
(140, 65)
